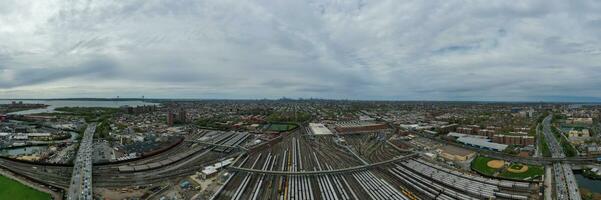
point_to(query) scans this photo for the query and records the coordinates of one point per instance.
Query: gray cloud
(457, 50)
(32, 76)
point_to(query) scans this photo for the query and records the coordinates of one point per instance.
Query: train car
(126, 169)
(141, 168)
(164, 162)
(510, 196)
(175, 142)
(154, 165)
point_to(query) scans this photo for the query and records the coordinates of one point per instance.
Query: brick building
(513, 139)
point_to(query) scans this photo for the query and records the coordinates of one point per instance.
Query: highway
(304, 168)
(80, 187)
(320, 161)
(565, 183)
(110, 176)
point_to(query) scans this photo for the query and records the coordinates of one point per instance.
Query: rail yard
(368, 157)
(300, 100)
(323, 155)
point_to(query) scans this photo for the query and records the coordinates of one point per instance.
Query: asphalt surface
(566, 186)
(81, 180)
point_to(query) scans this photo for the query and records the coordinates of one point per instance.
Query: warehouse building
(482, 143)
(319, 129)
(452, 153)
(359, 127)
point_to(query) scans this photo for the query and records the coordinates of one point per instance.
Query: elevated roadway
(81, 180)
(59, 176)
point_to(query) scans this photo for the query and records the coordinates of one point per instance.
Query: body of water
(22, 150)
(592, 185)
(72, 103)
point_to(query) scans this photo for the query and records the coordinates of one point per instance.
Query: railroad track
(301, 154)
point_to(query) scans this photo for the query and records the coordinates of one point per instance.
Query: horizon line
(294, 99)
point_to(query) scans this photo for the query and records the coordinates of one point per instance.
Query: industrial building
(482, 143)
(211, 170)
(319, 129)
(359, 127)
(452, 153)
(478, 141)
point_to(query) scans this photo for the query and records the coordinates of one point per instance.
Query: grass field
(10, 189)
(516, 166)
(533, 172)
(281, 127)
(544, 147)
(480, 164)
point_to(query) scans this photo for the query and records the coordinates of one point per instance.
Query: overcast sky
(344, 49)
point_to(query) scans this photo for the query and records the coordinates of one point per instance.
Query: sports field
(10, 189)
(480, 164)
(515, 171)
(529, 172)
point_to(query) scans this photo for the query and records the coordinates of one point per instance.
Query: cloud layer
(387, 49)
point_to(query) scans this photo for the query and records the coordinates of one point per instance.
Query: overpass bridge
(80, 187)
(67, 176)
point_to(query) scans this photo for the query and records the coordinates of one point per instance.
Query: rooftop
(455, 150)
(319, 129)
(485, 143)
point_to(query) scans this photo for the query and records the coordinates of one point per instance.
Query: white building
(211, 170)
(319, 129)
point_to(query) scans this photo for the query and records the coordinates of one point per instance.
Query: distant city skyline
(360, 50)
(97, 99)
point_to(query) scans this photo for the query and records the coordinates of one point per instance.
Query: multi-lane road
(566, 186)
(80, 187)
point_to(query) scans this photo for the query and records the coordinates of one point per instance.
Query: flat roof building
(453, 153)
(319, 129)
(523, 140)
(359, 126)
(211, 170)
(482, 143)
